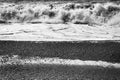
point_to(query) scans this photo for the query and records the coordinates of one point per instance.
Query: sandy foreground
(57, 72)
(57, 69)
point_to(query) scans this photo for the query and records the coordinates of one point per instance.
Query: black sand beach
(57, 72)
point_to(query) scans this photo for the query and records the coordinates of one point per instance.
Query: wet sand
(57, 72)
(84, 50)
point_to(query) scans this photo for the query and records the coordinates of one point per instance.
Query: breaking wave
(77, 13)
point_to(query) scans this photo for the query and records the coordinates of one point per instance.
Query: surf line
(58, 61)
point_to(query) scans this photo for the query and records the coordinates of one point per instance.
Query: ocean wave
(77, 13)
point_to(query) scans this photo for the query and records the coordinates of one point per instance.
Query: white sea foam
(4, 60)
(107, 13)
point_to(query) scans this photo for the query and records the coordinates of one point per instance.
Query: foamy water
(4, 60)
(57, 32)
(92, 14)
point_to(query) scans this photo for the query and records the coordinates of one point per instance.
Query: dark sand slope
(57, 72)
(105, 51)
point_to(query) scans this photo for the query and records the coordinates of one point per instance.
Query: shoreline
(104, 51)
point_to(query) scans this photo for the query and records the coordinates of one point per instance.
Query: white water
(95, 14)
(57, 32)
(4, 60)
